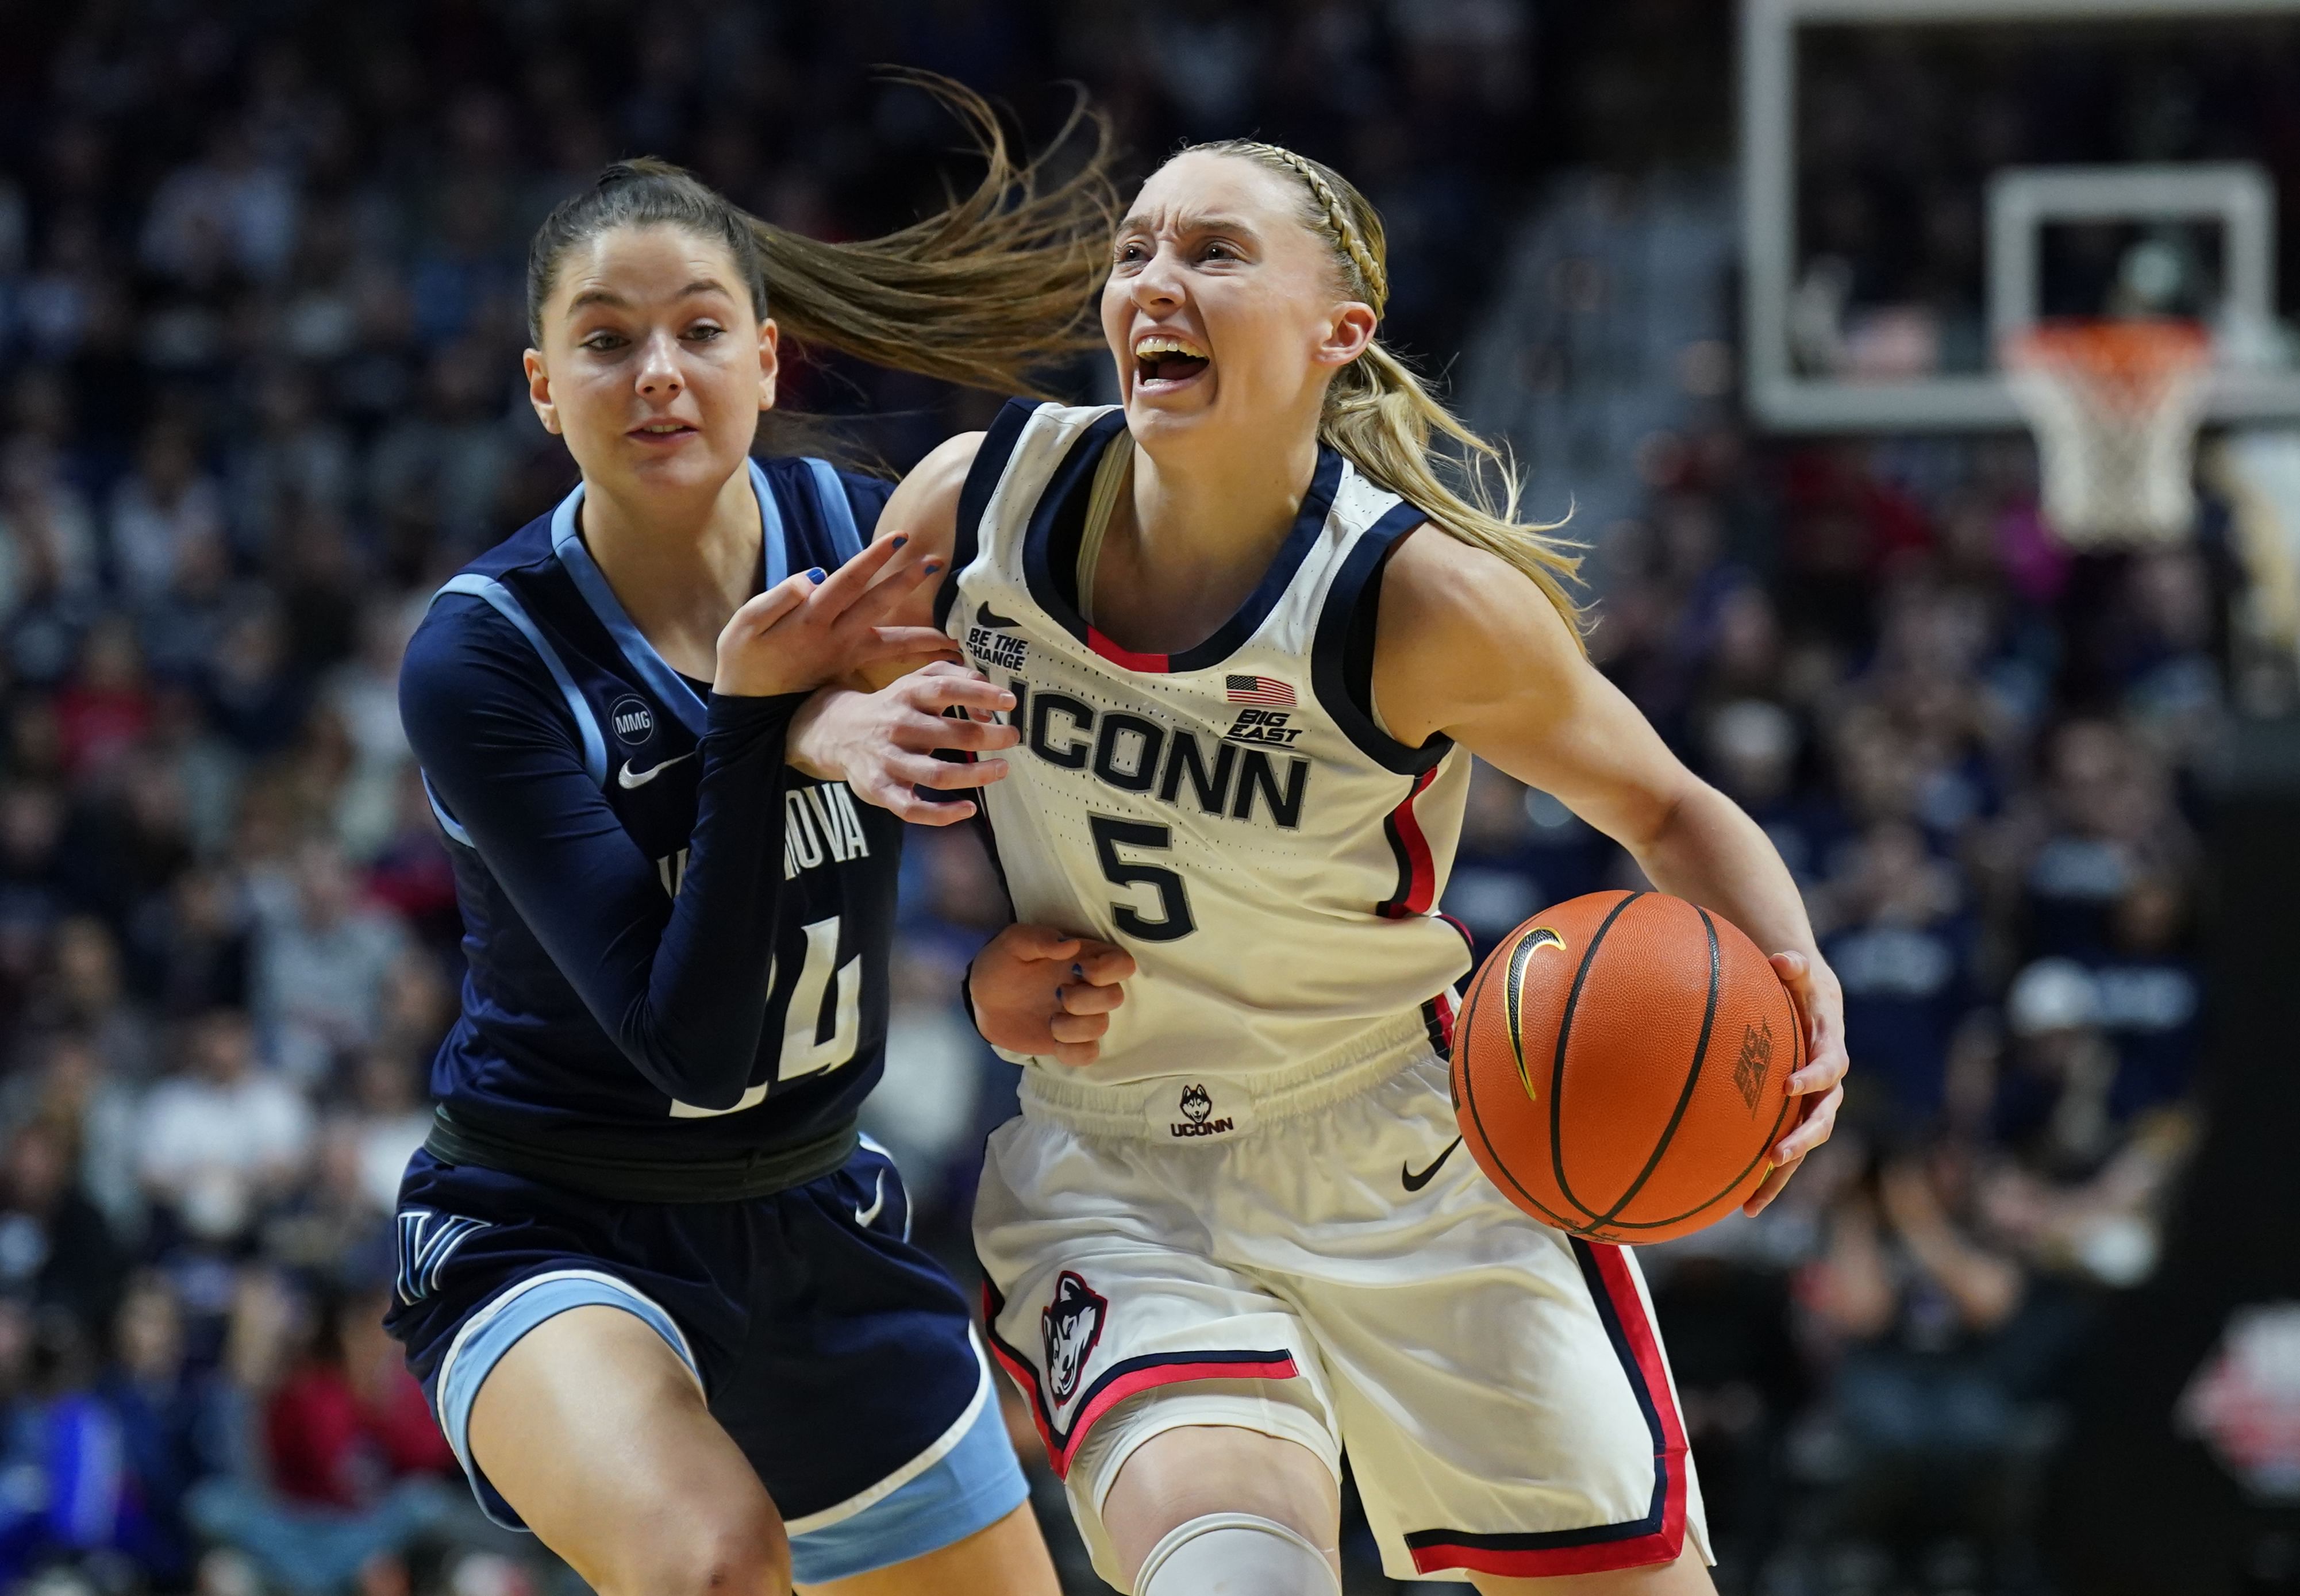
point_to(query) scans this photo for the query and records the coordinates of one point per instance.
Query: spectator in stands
(2085, 1175)
(66, 1085)
(165, 503)
(1944, 1346)
(106, 706)
(331, 1477)
(56, 1249)
(219, 1139)
(1900, 936)
(85, 996)
(169, 1417)
(319, 972)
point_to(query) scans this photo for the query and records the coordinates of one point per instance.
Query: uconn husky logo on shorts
(1071, 1325)
(1197, 1110)
(427, 1239)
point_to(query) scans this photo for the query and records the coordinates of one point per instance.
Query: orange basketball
(1620, 1063)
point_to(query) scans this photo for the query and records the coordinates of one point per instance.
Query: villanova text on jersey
(565, 760)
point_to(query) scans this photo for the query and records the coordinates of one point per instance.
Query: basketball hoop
(2114, 405)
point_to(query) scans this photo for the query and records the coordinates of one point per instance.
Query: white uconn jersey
(1231, 814)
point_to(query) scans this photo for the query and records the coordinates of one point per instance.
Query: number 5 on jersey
(1174, 921)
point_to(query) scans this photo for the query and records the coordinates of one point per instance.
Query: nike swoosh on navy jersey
(627, 778)
(1414, 1182)
(862, 1216)
(984, 616)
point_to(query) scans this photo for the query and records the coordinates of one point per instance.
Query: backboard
(1921, 178)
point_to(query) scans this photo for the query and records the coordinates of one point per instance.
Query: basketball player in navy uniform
(1255, 630)
(657, 1288)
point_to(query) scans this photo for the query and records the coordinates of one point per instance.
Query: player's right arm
(680, 983)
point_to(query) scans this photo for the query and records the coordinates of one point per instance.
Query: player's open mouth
(1163, 362)
(661, 432)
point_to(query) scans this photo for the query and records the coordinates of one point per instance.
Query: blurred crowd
(259, 326)
(260, 319)
(1979, 754)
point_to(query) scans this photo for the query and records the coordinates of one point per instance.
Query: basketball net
(2114, 405)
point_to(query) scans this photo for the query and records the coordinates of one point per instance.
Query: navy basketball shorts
(841, 1360)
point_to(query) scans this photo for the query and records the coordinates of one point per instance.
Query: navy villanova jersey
(611, 996)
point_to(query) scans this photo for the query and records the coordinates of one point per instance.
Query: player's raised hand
(1042, 991)
(1820, 1004)
(815, 627)
(882, 745)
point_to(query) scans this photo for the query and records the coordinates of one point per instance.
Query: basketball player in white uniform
(1252, 636)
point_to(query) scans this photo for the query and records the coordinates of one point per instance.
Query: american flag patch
(1258, 689)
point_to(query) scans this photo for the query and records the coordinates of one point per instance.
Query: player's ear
(538, 390)
(770, 361)
(1347, 335)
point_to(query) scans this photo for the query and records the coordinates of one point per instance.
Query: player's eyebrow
(608, 296)
(1202, 221)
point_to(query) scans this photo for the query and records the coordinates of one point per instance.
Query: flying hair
(1381, 417)
(985, 292)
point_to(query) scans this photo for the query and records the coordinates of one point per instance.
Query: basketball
(1618, 1067)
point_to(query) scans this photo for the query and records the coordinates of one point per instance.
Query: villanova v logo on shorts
(427, 1239)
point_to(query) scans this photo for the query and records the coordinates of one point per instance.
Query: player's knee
(738, 1551)
(1183, 1474)
(1236, 1554)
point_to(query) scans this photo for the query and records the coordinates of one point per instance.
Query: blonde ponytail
(985, 292)
(1384, 423)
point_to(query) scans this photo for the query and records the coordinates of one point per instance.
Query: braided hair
(1381, 419)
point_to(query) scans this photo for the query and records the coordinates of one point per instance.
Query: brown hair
(983, 292)
(1381, 417)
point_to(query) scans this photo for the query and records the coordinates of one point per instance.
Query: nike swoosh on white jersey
(627, 778)
(862, 1216)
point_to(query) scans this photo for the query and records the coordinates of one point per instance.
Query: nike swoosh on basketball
(1414, 1182)
(627, 778)
(862, 1216)
(986, 616)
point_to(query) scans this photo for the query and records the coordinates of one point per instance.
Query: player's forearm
(1709, 852)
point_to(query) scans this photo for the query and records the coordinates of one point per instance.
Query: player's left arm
(1468, 647)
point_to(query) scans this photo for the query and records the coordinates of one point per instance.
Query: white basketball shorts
(1313, 1256)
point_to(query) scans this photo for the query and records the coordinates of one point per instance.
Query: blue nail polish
(814, 574)
(901, 539)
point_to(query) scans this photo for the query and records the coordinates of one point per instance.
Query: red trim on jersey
(1101, 644)
(1444, 1004)
(1418, 888)
(1561, 1554)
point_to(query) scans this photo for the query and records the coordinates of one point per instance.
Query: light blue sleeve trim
(838, 511)
(667, 684)
(774, 544)
(970, 1488)
(455, 833)
(497, 1327)
(500, 598)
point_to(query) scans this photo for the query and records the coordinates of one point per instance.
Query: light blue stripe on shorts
(493, 1330)
(966, 1481)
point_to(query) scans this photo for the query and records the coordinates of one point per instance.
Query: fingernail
(931, 567)
(901, 539)
(815, 573)
(1005, 700)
